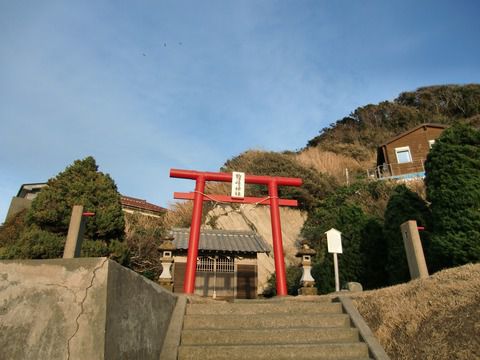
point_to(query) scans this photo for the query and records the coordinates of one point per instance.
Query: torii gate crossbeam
(198, 197)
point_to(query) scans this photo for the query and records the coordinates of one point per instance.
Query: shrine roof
(223, 241)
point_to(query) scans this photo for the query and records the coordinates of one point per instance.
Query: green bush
(357, 211)
(293, 275)
(453, 188)
(35, 243)
(403, 205)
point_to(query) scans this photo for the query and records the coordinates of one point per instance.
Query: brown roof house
(227, 264)
(28, 192)
(403, 156)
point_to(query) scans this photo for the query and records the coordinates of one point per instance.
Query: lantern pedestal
(165, 278)
(307, 281)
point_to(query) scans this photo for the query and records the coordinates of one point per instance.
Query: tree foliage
(363, 258)
(403, 205)
(80, 184)
(293, 275)
(453, 188)
(40, 233)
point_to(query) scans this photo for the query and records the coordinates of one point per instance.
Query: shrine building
(227, 264)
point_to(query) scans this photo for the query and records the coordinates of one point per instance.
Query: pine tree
(453, 188)
(80, 184)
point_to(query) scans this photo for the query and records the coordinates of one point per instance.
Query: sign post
(334, 243)
(414, 250)
(76, 229)
(238, 180)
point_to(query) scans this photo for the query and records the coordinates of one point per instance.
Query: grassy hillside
(358, 134)
(435, 318)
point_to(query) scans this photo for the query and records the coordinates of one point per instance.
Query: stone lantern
(166, 248)
(307, 281)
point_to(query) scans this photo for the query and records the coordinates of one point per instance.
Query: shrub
(453, 188)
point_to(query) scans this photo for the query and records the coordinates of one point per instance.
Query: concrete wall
(85, 308)
(16, 205)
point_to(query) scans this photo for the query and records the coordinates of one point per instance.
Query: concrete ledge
(374, 348)
(83, 308)
(174, 332)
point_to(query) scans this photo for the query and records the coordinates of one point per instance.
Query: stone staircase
(269, 330)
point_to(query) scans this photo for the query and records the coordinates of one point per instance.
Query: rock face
(257, 218)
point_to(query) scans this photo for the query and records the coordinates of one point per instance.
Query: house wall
(417, 141)
(16, 205)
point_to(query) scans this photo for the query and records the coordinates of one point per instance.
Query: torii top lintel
(227, 177)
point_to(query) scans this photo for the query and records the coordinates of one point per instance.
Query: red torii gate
(198, 197)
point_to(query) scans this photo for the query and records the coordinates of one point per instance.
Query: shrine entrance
(238, 181)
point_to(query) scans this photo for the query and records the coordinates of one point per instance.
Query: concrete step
(338, 351)
(265, 308)
(269, 336)
(264, 321)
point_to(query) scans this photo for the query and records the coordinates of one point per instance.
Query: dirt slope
(435, 318)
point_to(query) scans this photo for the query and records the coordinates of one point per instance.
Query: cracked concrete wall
(81, 308)
(52, 309)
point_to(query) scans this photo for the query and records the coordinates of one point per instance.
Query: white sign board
(238, 185)
(334, 241)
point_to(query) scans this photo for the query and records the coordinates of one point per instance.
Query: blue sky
(145, 86)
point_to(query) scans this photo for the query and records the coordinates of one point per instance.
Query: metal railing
(415, 168)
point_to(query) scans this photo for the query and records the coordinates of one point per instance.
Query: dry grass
(179, 215)
(330, 163)
(435, 318)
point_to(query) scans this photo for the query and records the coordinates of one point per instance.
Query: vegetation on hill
(358, 134)
(356, 211)
(315, 185)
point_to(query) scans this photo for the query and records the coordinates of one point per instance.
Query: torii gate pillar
(272, 200)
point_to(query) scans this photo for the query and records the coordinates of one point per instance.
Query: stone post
(165, 278)
(414, 250)
(307, 281)
(76, 229)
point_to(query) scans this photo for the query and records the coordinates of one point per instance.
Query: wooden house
(227, 263)
(404, 155)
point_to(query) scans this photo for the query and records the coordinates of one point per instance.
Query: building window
(430, 143)
(403, 155)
